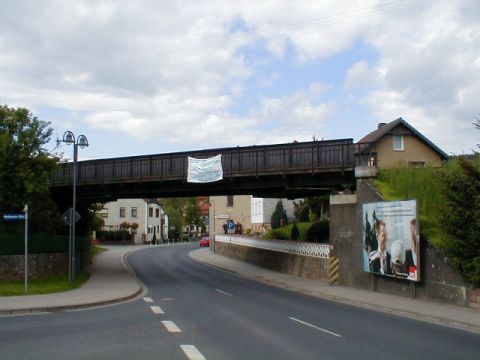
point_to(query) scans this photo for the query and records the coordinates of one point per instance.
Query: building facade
(399, 143)
(254, 214)
(147, 214)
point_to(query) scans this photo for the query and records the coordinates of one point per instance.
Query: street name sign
(13, 217)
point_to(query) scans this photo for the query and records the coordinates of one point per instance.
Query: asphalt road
(202, 312)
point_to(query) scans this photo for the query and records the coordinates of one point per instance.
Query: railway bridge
(290, 170)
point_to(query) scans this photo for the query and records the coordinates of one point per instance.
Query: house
(147, 214)
(262, 210)
(398, 142)
(251, 212)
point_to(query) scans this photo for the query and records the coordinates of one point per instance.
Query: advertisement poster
(391, 239)
(205, 170)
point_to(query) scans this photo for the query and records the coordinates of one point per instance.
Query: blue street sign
(13, 217)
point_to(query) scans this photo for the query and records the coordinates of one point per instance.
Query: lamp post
(69, 138)
(212, 229)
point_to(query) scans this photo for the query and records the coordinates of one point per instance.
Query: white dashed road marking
(148, 299)
(224, 292)
(171, 327)
(315, 327)
(167, 299)
(192, 352)
(157, 310)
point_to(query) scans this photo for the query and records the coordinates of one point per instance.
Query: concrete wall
(439, 280)
(304, 266)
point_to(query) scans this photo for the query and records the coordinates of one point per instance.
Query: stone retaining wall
(299, 265)
(12, 267)
(439, 280)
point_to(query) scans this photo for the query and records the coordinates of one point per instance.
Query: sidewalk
(444, 314)
(110, 281)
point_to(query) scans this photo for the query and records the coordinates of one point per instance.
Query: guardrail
(291, 158)
(292, 247)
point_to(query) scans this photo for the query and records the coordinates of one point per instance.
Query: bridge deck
(252, 161)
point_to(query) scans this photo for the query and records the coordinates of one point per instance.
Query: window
(416, 164)
(230, 201)
(397, 142)
(150, 212)
(122, 212)
(134, 212)
(157, 213)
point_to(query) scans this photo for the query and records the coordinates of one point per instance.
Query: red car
(205, 241)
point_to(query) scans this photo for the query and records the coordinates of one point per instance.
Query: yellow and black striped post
(334, 270)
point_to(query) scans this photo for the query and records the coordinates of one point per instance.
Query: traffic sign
(13, 217)
(231, 227)
(71, 216)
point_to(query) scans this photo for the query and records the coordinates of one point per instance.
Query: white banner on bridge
(205, 170)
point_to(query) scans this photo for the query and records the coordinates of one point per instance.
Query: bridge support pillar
(346, 227)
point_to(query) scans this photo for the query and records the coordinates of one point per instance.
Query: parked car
(205, 241)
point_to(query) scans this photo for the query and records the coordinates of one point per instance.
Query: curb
(124, 259)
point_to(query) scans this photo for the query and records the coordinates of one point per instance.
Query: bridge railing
(291, 158)
(287, 246)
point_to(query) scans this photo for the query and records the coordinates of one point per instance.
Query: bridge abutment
(439, 280)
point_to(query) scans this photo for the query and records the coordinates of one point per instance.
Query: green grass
(283, 233)
(97, 250)
(48, 285)
(424, 185)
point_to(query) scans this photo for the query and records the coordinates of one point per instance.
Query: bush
(119, 235)
(295, 233)
(319, 232)
(460, 217)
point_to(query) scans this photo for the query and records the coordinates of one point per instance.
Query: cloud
(428, 72)
(180, 69)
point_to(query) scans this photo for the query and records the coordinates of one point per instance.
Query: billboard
(391, 245)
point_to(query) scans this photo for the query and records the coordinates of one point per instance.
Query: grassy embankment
(47, 285)
(422, 184)
(283, 233)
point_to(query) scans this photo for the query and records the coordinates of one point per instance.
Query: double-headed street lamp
(81, 141)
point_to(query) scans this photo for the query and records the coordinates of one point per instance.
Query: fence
(292, 247)
(14, 244)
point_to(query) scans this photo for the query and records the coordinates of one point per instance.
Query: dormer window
(398, 143)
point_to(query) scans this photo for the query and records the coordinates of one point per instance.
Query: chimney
(381, 125)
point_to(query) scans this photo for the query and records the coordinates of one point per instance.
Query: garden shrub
(295, 233)
(319, 231)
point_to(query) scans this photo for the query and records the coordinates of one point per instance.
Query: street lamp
(69, 138)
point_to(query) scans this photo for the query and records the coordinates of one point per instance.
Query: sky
(148, 77)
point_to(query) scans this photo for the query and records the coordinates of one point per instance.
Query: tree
(477, 125)
(174, 208)
(318, 206)
(460, 216)
(278, 215)
(183, 211)
(301, 211)
(192, 211)
(25, 167)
